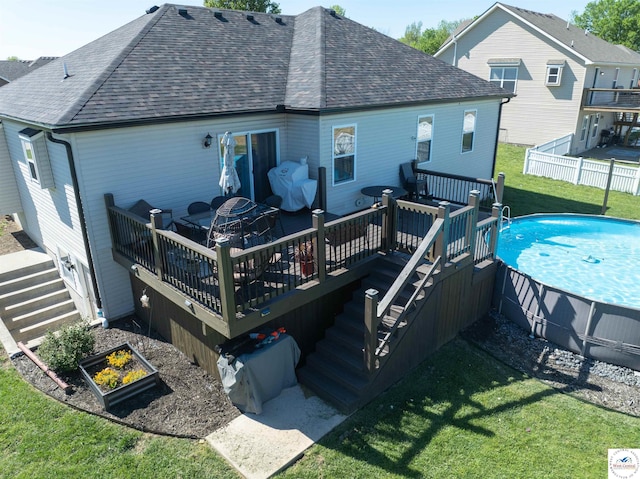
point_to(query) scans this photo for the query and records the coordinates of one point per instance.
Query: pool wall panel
(600, 331)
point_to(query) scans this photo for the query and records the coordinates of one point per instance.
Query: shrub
(63, 350)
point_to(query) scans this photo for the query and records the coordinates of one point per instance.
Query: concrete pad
(259, 446)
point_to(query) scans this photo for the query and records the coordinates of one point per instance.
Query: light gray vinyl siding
(386, 138)
(538, 113)
(9, 195)
(302, 140)
(50, 216)
(166, 165)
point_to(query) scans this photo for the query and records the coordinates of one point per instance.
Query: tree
(13, 58)
(429, 40)
(339, 10)
(616, 21)
(266, 6)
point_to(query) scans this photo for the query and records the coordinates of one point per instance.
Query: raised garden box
(91, 365)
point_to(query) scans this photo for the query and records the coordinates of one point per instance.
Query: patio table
(376, 192)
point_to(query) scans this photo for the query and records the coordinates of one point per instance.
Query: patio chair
(346, 239)
(217, 202)
(275, 201)
(416, 187)
(198, 207)
(192, 232)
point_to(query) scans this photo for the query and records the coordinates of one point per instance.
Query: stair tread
(41, 311)
(351, 357)
(351, 380)
(48, 322)
(328, 389)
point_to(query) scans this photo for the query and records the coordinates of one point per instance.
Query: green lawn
(526, 194)
(463, 414)
(41, 438)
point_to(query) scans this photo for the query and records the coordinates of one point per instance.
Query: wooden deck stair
(34, 300)
(336, 369)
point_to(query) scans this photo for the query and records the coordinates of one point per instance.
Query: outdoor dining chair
(198, 207)
(416, 187)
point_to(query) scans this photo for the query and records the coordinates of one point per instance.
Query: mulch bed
(188, 403)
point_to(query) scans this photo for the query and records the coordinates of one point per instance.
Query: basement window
(36, 156)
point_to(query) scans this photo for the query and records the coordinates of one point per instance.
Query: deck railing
(451, 236)
(230, 282)
(455, 188)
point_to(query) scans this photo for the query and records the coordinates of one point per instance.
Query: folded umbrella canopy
(229, 181)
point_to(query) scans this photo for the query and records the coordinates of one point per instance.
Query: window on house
(36, 157)
(344, 154)
(634, 79)
(594, 128)
(585, 125)
(424, 138)
(554, 72)
(506, 77)
(468, 130)
(616, 77)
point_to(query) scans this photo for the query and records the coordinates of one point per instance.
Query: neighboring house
(12, 70)
(127, 114)
(552, 67)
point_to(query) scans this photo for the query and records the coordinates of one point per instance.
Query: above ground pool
(575, 281)
(592, 256)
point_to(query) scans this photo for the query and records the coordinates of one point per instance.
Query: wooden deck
(210, 295)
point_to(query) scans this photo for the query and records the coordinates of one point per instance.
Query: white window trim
(502, 79)
(558, 80)
(420, 117)
(616, 77)
(28, 145)
(594, 127)
(334, 156)
(583, 130)
(634, 79)
(473, 132)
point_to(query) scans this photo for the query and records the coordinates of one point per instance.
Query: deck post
(322, 188)
(500, 187)
(442, 243)
(155, 216)
(496, 212)
(225, 278)
(389, 223)
(319, 247)
(371, 329)
(474, 200)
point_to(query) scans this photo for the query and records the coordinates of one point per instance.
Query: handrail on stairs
(375, 312)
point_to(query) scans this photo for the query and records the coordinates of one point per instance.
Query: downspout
(495, 151)
(83, 225)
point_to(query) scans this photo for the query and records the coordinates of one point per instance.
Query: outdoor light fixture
(207, 141)
(188, 304)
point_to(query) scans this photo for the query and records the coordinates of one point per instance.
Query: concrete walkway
(259, 446)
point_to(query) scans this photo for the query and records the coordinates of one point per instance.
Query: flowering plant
(118, 372)
(119, 359)
(304, 251)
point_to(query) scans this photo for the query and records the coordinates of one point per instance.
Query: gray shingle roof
(165, 65)
(12, 70)
(573, 38)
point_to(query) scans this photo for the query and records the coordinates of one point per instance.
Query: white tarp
(291, 181)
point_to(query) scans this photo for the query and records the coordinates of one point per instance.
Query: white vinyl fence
(625, 178)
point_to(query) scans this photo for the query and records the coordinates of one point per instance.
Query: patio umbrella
(229, 181)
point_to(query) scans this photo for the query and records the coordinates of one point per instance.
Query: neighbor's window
(423, 140)
(468, 130)
(594, 128)
(585, 125)
(506, 77)
(616, 77)
(634, 79)
(554, 74)
(344, 154)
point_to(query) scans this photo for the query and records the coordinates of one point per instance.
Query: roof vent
(183, 12)
(586, 32)
(217, 13)
(279, 20)
(152, 9)
(66, 72)
(249, 17)
(332, 12)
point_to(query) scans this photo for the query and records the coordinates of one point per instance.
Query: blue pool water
(595, 257)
